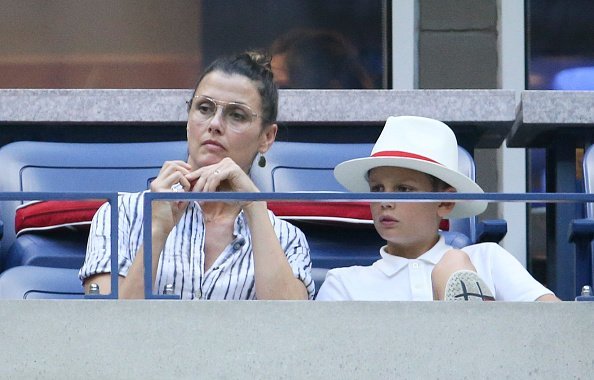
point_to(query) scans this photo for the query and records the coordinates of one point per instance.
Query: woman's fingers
(172, 176)
(171, 172)
(225, 175)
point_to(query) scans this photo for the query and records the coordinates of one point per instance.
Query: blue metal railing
(331, 196)
(149, 197)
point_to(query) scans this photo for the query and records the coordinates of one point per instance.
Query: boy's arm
(548, 298)
(512, 281)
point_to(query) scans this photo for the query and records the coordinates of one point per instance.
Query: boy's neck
(411, 251)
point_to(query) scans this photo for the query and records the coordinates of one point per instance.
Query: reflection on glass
(162, 43)
(559, 56)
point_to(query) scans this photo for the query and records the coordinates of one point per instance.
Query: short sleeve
(98, 253)
(296, 249)
(511, 281)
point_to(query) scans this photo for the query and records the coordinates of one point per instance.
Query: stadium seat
(581, 232)
(300, 166)
(68, 167)
(292, 166)
(33, 282)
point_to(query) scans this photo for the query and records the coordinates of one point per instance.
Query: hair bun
(260, 59)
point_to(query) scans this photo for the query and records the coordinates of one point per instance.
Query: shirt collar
(390, 264)
(436, 252)
(239, 226)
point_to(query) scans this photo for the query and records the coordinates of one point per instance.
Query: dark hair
(256, 67)
(438, 184)
(322, 59)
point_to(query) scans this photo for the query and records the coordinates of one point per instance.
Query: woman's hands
(225, 175)
(166, 214)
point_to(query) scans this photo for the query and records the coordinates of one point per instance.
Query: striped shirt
(181, 263)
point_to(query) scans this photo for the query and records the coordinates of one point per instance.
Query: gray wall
(295, 340)
(457, 50)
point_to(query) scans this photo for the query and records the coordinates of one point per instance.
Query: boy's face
(410, 228)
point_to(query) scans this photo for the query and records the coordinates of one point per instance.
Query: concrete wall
(295, 340)
(457, 44)
(458, 49)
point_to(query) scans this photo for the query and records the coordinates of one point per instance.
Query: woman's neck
(219, 211)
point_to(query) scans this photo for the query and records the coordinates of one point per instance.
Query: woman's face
(209, 141)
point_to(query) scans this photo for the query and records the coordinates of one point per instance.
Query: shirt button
(198, 294)
(236, 246)
(415, 265)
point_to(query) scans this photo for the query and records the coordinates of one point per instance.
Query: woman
(211, 250)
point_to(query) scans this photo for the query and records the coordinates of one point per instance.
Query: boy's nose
(387, 205)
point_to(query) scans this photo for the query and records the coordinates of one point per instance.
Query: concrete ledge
(306, 340)
(296, 106)
(546, 113)
(93, 106)
(483, 116)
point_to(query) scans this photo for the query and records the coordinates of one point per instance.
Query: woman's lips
(213, 144)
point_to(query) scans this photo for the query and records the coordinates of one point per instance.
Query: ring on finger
(177, 187)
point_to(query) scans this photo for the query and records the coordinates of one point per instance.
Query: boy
(417, 154)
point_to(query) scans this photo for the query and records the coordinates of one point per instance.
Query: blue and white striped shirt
(181, 263)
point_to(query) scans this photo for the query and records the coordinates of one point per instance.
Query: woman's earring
(262, 161)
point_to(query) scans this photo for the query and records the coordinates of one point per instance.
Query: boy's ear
(445, 208)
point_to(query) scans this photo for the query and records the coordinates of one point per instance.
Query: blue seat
(301, 166)
(581, 232)
(46, 166)
(33, 282)
(63, 248)
(62, 167)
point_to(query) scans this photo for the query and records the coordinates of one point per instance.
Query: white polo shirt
(394, 278)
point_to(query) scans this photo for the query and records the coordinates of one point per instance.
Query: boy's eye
(404, 189)
(377, 188)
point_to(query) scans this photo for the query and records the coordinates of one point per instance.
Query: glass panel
(559, 56)
(166, 43)
(235, 25)
(560, 45)
(99, 44)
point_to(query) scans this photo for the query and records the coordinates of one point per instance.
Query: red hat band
(397, 153)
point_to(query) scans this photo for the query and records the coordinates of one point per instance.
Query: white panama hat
(417, 143)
